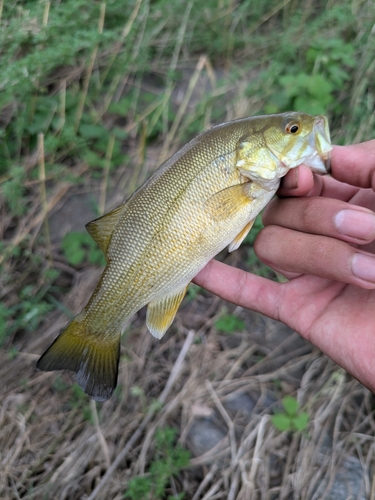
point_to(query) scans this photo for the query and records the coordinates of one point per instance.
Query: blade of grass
(89, 70)
(148, 417)
(43, 195)
(46, 13)
(181, 110)
(124, 34)
(103, 188)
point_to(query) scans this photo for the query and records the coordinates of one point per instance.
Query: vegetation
(93, 97)
(168, 461)
(291, 419)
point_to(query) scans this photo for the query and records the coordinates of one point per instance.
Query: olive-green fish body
(201, 200)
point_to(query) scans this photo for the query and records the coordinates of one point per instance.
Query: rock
(204, 435)
(239, 402)
(349, 482)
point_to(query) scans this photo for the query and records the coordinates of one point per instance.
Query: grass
(94, 95)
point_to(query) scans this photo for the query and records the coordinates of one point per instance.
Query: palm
(338, 318)
(323, 301)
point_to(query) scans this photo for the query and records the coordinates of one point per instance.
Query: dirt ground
(218, 390)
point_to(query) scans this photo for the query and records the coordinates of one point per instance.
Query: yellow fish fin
(228, 202)
(101, 229)
(240, 236)
(161, 312)
(95, 360)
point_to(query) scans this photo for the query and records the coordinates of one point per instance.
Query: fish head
(296, 138)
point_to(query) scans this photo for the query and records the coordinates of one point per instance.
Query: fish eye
(292, 128)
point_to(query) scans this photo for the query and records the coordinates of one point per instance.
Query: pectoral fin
(101, 229)
(240, 236)
(228, 202)
(161, 313)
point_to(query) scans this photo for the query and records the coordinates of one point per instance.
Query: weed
(125, 81)
(193, 291)
(122, 81)
(26, 314)
(80, 247)
(80, 400)
(229, 323)
(168, 461)
(291, 419)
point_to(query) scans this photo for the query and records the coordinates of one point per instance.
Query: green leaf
(120, 133)
(78, 247)
(230, 323)
(319, 86)
(93, 159)
(281, 421)
(291, 405)
(4, 318)
(180, 496)
(93, 131)
(122, 107)
(139, 488)
(300, 421)
(309, 105)
(193, 291)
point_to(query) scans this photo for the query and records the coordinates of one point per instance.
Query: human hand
(324, 242)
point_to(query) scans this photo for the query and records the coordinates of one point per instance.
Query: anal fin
(161, 312)
(240, 236)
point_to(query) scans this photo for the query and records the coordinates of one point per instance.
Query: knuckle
(309, 212)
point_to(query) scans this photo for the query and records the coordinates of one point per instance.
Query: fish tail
(94, 359)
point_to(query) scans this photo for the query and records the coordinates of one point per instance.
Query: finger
(292, 251)
(297, 182)
(241, 288)
(323, 216)
(310, 184)
(332, 188)
(354, 164)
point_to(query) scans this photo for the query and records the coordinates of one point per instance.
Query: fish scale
(202, 199)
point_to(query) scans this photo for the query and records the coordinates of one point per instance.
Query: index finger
(354, 164)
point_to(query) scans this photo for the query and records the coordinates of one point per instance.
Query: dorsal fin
(101, 229)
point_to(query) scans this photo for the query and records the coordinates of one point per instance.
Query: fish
(201, 200)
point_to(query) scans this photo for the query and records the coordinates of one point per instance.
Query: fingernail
(291, 181)
(363, 267)
(355, 223)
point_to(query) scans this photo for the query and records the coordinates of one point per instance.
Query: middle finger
(323, 216)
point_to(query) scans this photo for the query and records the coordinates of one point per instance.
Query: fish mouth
(327, 164)
(319, 165)
(321, 161)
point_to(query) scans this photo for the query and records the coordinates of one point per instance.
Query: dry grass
(55, 444)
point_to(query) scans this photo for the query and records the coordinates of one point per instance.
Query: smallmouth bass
(202, 199)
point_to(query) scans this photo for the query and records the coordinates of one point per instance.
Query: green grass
(98, 82)
(169, 459)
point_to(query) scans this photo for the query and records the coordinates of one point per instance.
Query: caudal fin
(95, 360)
